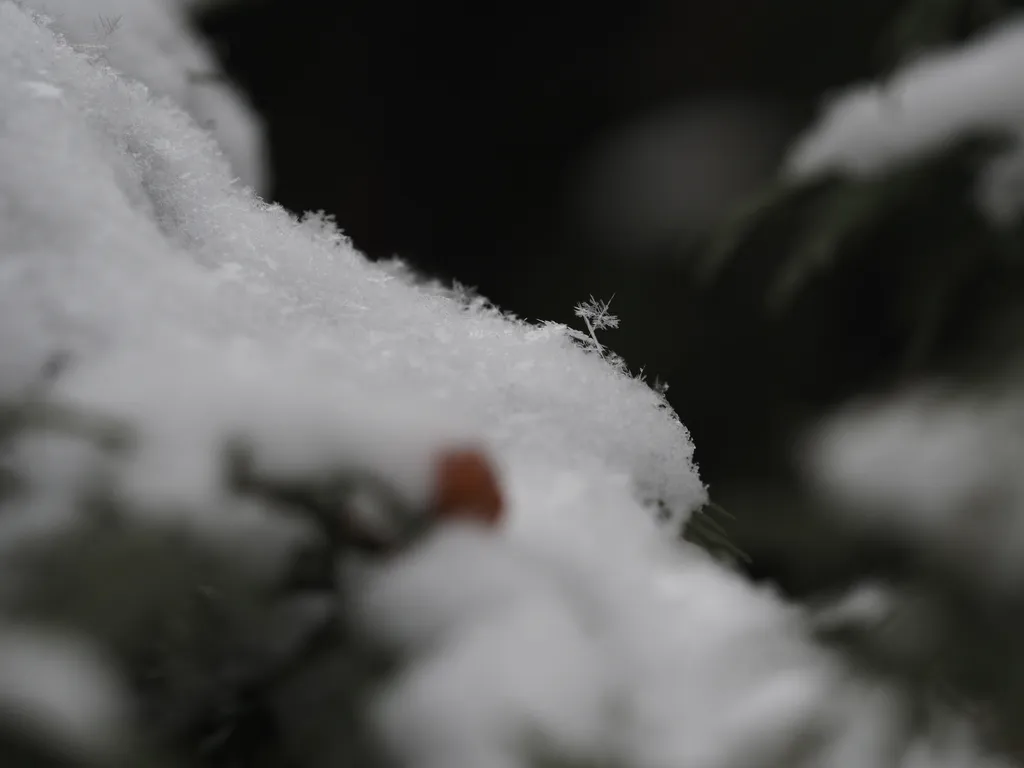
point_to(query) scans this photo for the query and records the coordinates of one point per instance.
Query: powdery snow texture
(150, 41)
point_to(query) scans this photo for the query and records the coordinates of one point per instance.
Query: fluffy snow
(190, 309)
(940, 470)
(61, 690)
(922, 107)
(126, 244)
(150, 41)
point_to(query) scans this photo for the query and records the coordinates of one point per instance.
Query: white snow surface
(150, 41)
(939, 469)
(194, 310)
(931, 101)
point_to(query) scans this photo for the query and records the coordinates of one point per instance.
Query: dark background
(468, 139)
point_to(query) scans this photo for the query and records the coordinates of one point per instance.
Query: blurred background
(546, 152)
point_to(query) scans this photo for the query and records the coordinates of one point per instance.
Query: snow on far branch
(938, 141)
(934, 100)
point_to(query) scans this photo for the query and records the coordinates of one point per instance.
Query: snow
(940, 470)
(199, 315)
(126, 244)
(61, 690)
(930, 102)
(589, 658)
(150, 41)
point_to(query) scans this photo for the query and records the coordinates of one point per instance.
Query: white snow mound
(150, 41)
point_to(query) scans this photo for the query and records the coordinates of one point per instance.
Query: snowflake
(597, 317)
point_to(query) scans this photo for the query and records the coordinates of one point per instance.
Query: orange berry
(468, 488)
